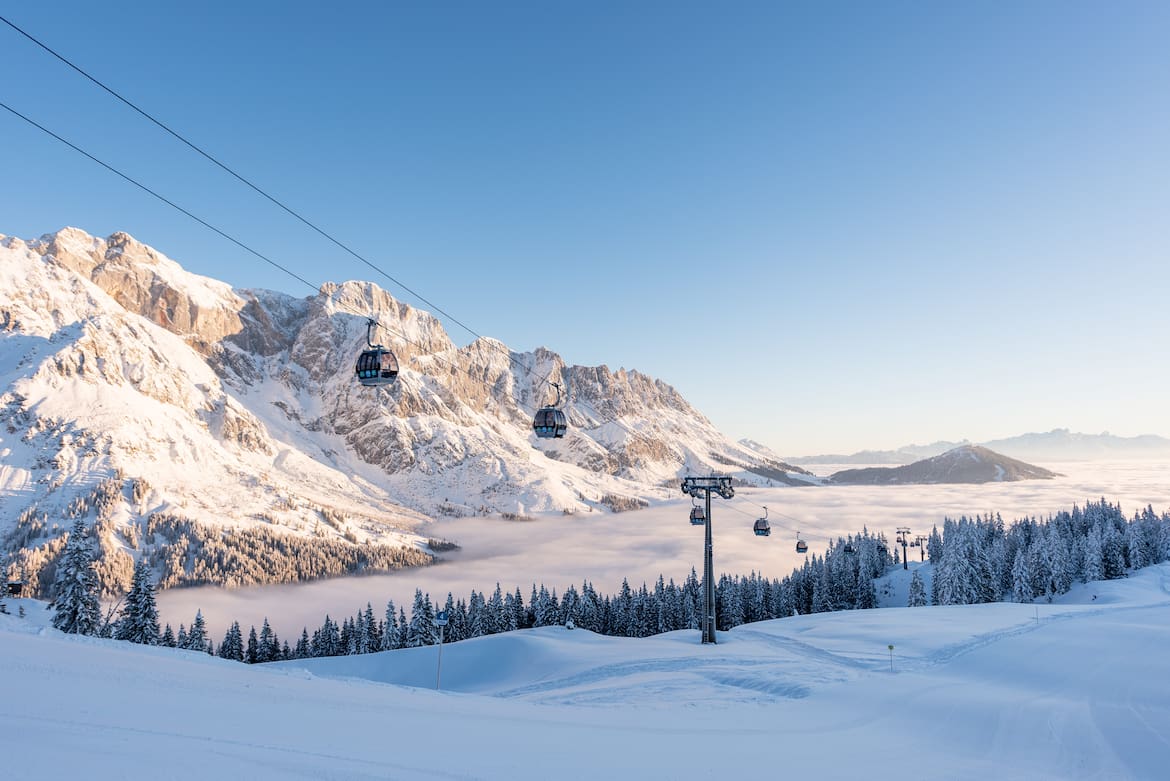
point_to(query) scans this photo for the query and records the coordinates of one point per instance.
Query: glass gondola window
(376, 365)
(551, 422)
(762, 528)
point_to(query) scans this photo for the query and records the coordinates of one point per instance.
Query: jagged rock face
(238, 405)
(145, 282)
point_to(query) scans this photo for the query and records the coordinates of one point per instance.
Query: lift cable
(243, 246)
(256, 188)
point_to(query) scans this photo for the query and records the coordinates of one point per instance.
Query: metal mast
(702, 487)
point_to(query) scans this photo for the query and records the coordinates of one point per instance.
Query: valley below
(558, 550)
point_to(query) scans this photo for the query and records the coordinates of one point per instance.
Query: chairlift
(801, 545)
(376, 366)
(762, 528)
(550, 421)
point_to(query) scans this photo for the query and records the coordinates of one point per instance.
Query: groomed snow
(1076, 689)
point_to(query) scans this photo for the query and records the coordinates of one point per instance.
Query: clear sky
(830, 225)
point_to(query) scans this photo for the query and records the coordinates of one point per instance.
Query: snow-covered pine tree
(302, 649)
(917, 591)
(197, 634)
(1022, 577)
(497, 621)
(232, 646)
(266, 648)
(389, 628)
(421, 630)
(139, 618)
(252, 651)
(75, 601)
(403, 629)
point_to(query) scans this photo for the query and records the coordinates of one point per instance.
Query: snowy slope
(1075, 690)
(238, 409)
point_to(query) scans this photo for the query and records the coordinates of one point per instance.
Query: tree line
(979, 559)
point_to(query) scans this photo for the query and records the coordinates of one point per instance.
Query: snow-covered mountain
(197, 422)
(964, 464)
(1056, 445)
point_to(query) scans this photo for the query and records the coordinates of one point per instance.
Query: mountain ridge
(1059, 444)
(130, 383)
(963, 464)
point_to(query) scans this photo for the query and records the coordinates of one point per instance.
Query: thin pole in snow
(439, 669)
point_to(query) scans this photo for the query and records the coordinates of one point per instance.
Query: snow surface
(1079, 689)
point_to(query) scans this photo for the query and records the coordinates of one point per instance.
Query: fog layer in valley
(559, 550)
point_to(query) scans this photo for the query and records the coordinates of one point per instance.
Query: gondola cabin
(801, 546)
(698, 516)
(550, 422)
(762, 528)
(376, 366)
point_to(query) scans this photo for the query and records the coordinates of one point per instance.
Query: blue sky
(830, 225)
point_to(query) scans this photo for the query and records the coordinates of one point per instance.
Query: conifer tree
(252, 651)
(917, 591)
(267, 647)
(302, 649)
(76, 606)
(139, 618)
(197, 634)
(232, 646)
(389, 640)
(1022, 577)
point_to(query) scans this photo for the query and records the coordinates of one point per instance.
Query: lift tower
(701, 488)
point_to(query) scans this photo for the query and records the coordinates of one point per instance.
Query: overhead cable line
(238, 243)
(260, 191)
(254, 187)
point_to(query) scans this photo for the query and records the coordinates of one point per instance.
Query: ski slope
(1078, 689)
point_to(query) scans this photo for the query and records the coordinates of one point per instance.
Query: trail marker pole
(440, 621)
(891, 658)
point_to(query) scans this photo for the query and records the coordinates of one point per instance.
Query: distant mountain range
(963, 464)
(1052, 446)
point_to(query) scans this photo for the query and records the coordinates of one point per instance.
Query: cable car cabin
(376, 366)
(550, 422)
(762, 528)
(698, 516)
(801, 546)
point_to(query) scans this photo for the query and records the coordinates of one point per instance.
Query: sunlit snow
(1079, 689)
